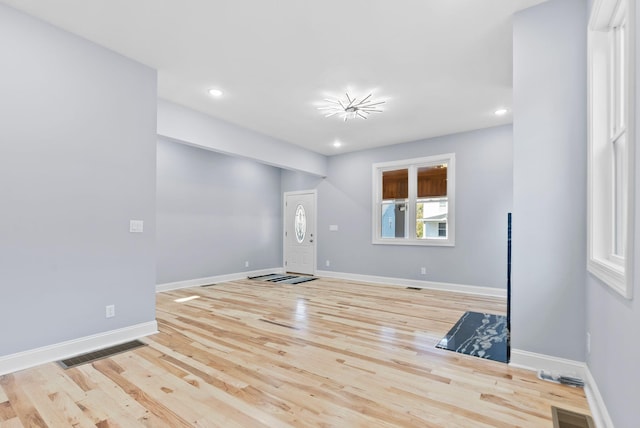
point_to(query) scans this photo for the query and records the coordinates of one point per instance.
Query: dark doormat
(284, 278)
(480, 335)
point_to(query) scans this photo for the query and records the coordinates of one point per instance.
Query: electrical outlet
(246, 264)
(136, 226)
(423, 271)
(588, 343)
(110, 311)
(327, 263)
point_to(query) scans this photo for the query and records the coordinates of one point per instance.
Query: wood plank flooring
(326, 353)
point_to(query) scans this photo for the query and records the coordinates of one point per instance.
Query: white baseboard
(533, 361)
(596, 402)
(214, 279)
(46, 354)
(444, 286)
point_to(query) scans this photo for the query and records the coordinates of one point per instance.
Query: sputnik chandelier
(351, 108)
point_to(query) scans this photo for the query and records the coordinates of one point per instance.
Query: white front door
(300, 232)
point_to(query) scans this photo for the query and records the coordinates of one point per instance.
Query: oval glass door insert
(300, 224)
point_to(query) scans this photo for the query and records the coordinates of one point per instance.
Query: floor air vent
(90, 357)
(414, 288)
(563, 418)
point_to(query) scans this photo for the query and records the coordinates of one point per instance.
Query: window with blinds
(413, 201)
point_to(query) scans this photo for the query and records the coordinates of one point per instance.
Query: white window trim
(615, 271)
(450, 159)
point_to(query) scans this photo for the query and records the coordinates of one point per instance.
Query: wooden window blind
(395, 184)
(432, 181)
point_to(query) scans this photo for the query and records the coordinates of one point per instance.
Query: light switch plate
(110, 311)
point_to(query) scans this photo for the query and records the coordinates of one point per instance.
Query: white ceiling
(443, 66)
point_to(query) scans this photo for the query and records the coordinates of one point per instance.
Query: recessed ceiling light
(215, 92)
(337, 143)
(501, 112)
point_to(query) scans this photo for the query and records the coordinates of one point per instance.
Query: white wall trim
(533, 361)
(214, 279)
(46, 354)
(596, 402)
(430, 285)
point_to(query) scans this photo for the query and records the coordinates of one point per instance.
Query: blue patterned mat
(480, 335)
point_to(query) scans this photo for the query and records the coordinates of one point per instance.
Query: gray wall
(614, 322)
(77, 162)
(215, 212)
(292, 181)
(549, 184)
(483, 198)
(183, 124)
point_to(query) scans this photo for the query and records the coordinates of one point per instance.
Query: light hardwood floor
(326, 353)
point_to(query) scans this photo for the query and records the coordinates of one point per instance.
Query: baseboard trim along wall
(46, 354)
(401, 282)
(214, 279)
(533, 361)
(596, 402)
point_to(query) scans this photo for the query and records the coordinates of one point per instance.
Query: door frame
(314, 192)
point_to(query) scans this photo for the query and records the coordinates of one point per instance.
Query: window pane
(621, 79)
(431, 218)
(300, 224)
(619, 236)
(432, 181)
(393, 220)
(395, 184)
(442, 230)
(618, 79)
